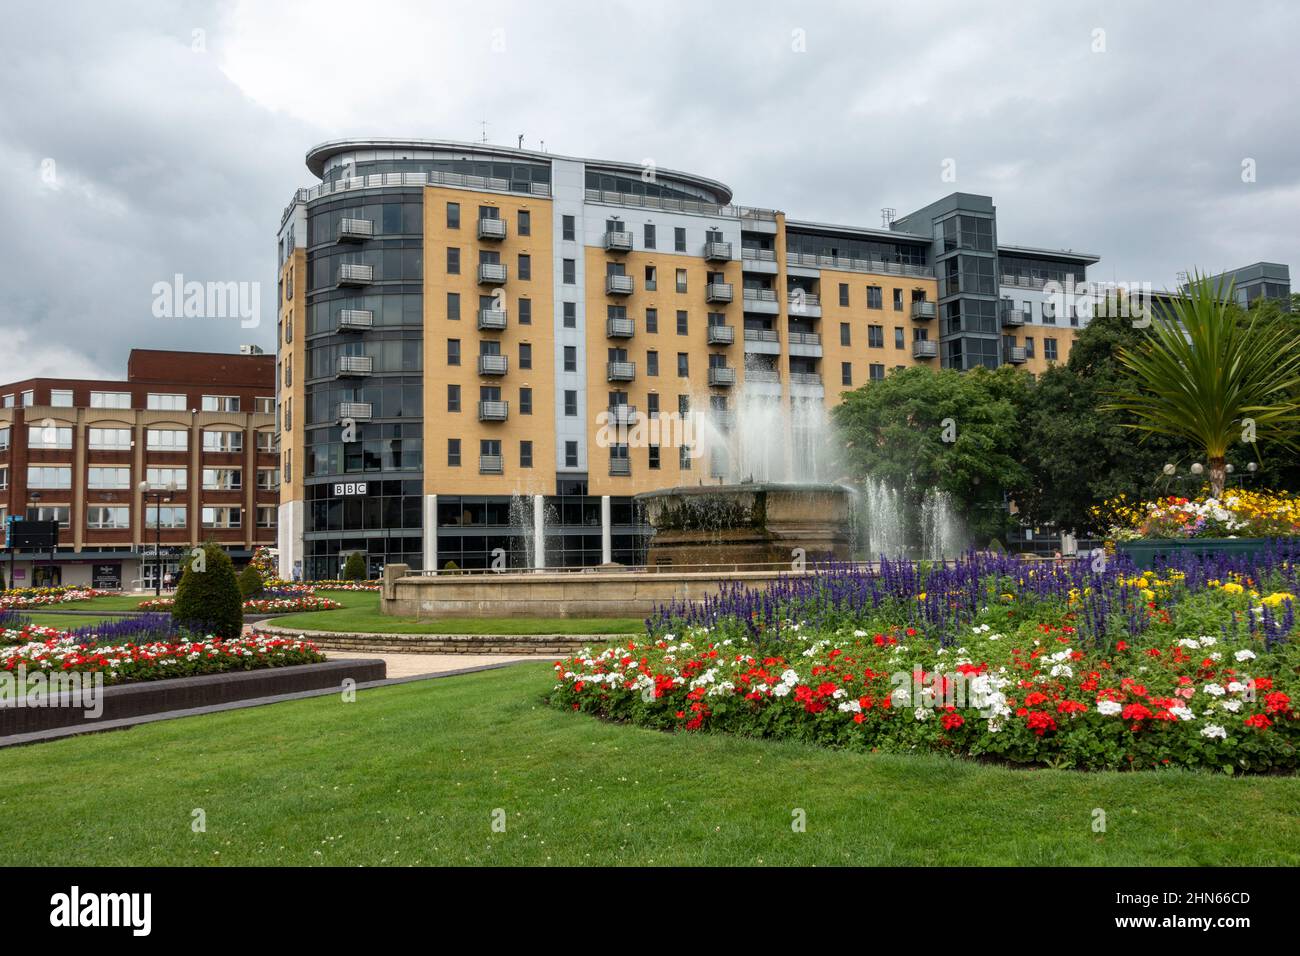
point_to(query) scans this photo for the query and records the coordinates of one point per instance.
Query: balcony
(720, 376)
(356, 320)
(724, 419)
(620, 466)
(807, 344)
(618, 241)
(493, 364)
(1013, 354)
(619, 284)
(721, 335)
(620, 371)
(356, 230)
(620, 327)
(491, 320)
(803, 302)
(924, 311)
(1012, 318)
(717, 251)
(491, 465)
(354, 274)
(924, 349)
(767, 376)
(761, 300)
(491, 273)
(491, 411)
(622, 414)
(353, 365)
(718, 292)
(805, 378)
(357, 411)
(491, 228)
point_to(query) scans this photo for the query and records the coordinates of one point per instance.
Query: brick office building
(197, 426)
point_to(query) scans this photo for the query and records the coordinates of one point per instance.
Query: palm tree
(1210, 377)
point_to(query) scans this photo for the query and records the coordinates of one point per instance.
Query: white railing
(761, 335)
(390, 180)
(356, 320)
(667, 204)
(355, 364)
(878, 266)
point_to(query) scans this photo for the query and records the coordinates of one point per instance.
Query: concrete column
(431, 532)
(539, 533)
(606, 532)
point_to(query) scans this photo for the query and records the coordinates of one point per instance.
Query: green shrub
(250, 582)
(451, 568)
(208, 598)
(354, 569)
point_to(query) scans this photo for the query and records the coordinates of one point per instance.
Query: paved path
(416, 665)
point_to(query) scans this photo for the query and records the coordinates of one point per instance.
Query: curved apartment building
(470, 336)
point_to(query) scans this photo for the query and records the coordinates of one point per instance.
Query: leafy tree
(955, 431)
(1204, 376)
(250, 582)
(208, 599)
(354, 569)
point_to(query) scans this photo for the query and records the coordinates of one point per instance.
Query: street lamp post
(159, 496)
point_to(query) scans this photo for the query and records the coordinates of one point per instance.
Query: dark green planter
(1145, 551)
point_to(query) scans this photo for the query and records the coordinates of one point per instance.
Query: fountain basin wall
(555, 594)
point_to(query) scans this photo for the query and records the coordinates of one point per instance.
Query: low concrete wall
(187, 693)
(557, 594)
(542, 645)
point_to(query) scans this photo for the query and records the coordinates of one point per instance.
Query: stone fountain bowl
(759, 523)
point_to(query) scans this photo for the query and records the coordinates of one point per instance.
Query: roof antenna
(483, 138)
(521, 140)
(887, 214)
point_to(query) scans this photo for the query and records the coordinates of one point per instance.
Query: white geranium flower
(1214, 730)
(922, 713)
(1244, 655)
(1232, 706)
(1108, 708)
(1214, 690)
(1209, 641)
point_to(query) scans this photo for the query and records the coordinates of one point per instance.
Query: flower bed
(56, 651)
(1238, 514)
(329, 585)
(275, 601)
(1061, 666)
(20, 598)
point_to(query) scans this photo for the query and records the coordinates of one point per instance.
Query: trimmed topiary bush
(208, 599)
(250, 582)
(354, 569)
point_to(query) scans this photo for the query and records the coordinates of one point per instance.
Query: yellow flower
(1277, 597)
(1232, 588)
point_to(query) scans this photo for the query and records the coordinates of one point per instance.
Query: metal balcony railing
(858, 265)
(491, 465)
(923, 311)
(493, 411)
(760, 295)
(1014, 354)
(491, 228)
(491, 320)
(355, 365)
(805, 378)
(1012, 317)
(718, 292)
(619, 285)
(622, 414)
(620, 466)
(356, 320)
(762, 335)
(358, 411)
(761, 255)
(493, 364)
(924, 349)
(720, 376)
(491, 273)
(766, 375)
(618, 241)
(620, 327)
(352, 273)
(716, 250)
(721, 335)
(802, 301)
(620, 371)
(805, 338)
(356, 230)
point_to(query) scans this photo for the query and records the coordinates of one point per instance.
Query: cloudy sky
(142, 140)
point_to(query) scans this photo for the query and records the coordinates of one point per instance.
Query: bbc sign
(343, 489)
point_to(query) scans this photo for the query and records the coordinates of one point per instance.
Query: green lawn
(360, 614)
(413, 773)
(70, 622)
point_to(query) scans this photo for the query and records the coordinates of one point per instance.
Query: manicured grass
(360, 614)
(413, 774)
(70, 622)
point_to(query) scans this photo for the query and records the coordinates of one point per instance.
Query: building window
(570, 403)
(525, 355)
(165, 516)
(570, 358)
(525, 454)
(652, 362)
(844, 293)
(174, 478)
(453, 351)
(525, 401)
(651, 279)
(49, 476)
(43, 436)
(649, 235)
(268, 479)
(525, 220)
(266, 441)
(570, 315)
(877, 372)
(61, 397)
(453, 398)
(221, 403)
(566, 228)
(223, 441)
(1029, 347)
(652, 320)
(1049, 349)
(899, 340)
(682, 322)
(223, 479)
(679, 239)
(525, 311)
(165, 403)
(654, 457)
(453, 261)
(266, 516)
(683, 365)
(108, 479)
(681, 280)
(101, 399)
(570, 271)
(453, 215)
(101, 518)
(263, 405)
(875, 297)
(525, 266)
(846, 373)
(876, 336)
(684, 457)
(225, 517)
(898, 300)
(453, 452)
(109, 439)
(29, 399)
(167, 439)
(845, 334)
(570, 454)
